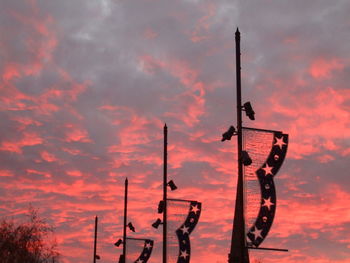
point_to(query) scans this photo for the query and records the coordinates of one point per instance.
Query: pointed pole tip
(165, 125)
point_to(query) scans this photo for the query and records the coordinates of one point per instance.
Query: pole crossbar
(132, 238)
(257, 129)
(180, 200)
(266, 248)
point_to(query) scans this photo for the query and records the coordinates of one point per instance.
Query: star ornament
(256, 233)
(148, 245)
(268, 203)
(279, 142)
(268, 170)
(139, 261)
(194, 208)
(184, 229)
(184, 254)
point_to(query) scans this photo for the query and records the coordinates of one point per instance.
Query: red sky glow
(85, 90)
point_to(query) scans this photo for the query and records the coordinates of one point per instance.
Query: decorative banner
(138, 250)
(182, 217)
(267, 149)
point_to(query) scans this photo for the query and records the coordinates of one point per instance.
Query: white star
(267, 170)
(139, 261)
(148, 245)
(280, 142)
(184, 230)
(184, 254)
(268, 203)
(256, 233)
(195, 209)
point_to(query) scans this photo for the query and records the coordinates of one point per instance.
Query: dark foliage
(26, 242)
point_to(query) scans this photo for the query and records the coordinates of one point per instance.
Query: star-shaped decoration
(280, 142)
(256, 233)
(148, 245)
(267, 203)
(268, 170)
(139, 261)
(184, 229)
(184, 254)
(195, 208)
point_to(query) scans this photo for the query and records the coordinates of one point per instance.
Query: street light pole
(165, 156)
(239, 250)
(95, 239)
(125, 218)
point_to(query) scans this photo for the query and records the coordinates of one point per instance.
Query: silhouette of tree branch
(27, 242)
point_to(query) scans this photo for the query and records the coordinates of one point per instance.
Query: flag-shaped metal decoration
(138, 250)
(267, 149)
(183, 216)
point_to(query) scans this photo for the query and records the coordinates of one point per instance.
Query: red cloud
(75, 173)
(10, 72)
(36, 172)
(202, 26)
(191, 104)
(315, 120)
(48, 157)
(76, 134)
(322, 68)
(6, 173)
(28, 139)
(149, 34)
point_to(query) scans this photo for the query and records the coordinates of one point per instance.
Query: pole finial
(237, 34)
(165, 125)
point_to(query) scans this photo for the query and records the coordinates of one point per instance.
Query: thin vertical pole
(239, 250)
(165, 193)
(95, 239)
(125, 218)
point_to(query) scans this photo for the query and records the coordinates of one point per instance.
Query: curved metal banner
(134, 245)
(267, 150)
(186, 213)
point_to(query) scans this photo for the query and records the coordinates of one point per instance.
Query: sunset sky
(87, 85)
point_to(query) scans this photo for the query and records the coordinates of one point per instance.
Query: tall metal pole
(239, 250)
(165, 131)
(95, 239)
(125, 218)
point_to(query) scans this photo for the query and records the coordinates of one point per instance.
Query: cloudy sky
(87, 85)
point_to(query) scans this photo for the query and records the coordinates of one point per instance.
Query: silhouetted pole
(95, 239)
(239, 250)
(165, 193)
(125, 217)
